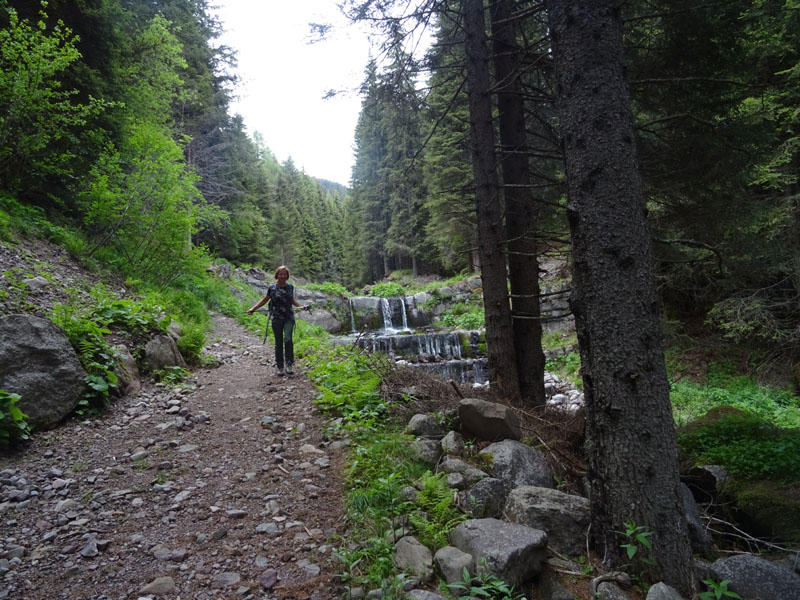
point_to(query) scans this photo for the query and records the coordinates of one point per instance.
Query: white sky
(283, 80)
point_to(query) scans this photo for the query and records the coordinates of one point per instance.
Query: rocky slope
(222, 489)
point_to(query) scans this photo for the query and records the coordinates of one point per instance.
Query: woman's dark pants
(282, 329)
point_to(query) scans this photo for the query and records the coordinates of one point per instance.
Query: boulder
(413, 557)
(452, 562)
(754, 578)
(661, 591)
(517, 464)
(126, 370)
(38, 362)
(564, 517)
(484, 499)
(422, 425)
(161, 351)
(488, 420)
(510, 551)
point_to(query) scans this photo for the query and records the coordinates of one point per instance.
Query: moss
(770, 508)
(466, 348)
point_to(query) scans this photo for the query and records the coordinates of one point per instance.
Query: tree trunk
(499, 334)
(521, 218)
(630, 437)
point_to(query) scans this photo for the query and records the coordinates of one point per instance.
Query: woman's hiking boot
(279, 371)
(289, 369)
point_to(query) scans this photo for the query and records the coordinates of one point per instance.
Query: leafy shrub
(330, 288)
(566, 366)
(94, 352)
(387, 289)
(776, 406)
(191, 342)
(463, 316)
(13, 427)
(745, 444)
(484, 585)
(438, 516)
(5, 226)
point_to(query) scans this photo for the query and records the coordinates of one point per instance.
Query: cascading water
(352, 316)
(452, 355)
(386, 310)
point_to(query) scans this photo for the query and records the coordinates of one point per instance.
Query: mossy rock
(769, 509)
(466, 347)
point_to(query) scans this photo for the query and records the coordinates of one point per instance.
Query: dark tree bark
(499, 334)
(630, 438)
(521, 218)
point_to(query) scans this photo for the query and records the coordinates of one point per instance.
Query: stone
(488, 420)
(411, 556)
(452, 562)
(517, 464)
(661, 591)
(753, 577)
(268, 579)
(224, 580)
(510, 551)
(161, 351)
(38, 362)
(159, 586)
(422, 425)
(565, 517)
(127, 371)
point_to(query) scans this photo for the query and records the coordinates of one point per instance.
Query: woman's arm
(258, 304)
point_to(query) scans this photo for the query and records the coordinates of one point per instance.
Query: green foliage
(330, 288)
(558, 339)
(387, 289)
(191, 342)
(484, 585)
(13, 427)
(437, 515)
(37, 129)
(723, 388)
(746, 445)
(567, 367)
(18, 293)
(718, 590)
(171, 375)
(348, 387)
(96, 356)
(637, 542)
(463, 316)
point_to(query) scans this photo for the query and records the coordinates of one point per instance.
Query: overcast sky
(284, 79)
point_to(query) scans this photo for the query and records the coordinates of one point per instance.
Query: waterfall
(352, 316)
(403, 310)
(387, 315)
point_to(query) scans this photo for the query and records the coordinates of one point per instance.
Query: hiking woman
(280, 296)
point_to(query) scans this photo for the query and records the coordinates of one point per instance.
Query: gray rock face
(698, 535)
(455, 465)
(127, 371)
(488, 420)
(428, 451)
(517, 464)
(411, 556)
(661, 591)
(452, 562)
(564, 517)
(38, 363)
(510, 551)
(321, 317)
(162, 352)
(757, 579)
(485, 499)
(422, 425)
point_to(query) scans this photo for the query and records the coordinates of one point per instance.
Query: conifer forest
(653, 145)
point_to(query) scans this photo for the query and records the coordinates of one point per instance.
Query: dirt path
(222, 490)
